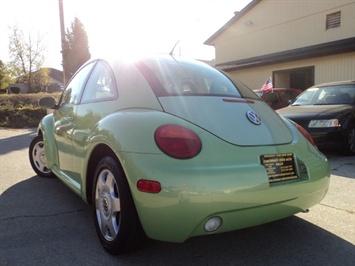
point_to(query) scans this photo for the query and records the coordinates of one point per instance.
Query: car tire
(116, 219)
(38, 157)
(349, 147)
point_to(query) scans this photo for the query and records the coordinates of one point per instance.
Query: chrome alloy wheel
(39, 157)
(116, 220)
(108, 205)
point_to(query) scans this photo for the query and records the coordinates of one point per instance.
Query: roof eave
(237, 16)
(324, 49)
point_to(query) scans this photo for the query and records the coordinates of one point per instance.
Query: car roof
(335, 83)
(277, 89)
(146, 57)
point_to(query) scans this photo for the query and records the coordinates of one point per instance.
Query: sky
(120, 26)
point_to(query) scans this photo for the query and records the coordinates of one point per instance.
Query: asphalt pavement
(42, 222)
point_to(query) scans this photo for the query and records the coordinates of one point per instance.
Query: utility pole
(62, 34)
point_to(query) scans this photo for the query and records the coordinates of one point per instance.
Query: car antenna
(172, 51)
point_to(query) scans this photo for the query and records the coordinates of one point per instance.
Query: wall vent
(333, 20)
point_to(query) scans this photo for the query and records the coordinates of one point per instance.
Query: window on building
(333, 20)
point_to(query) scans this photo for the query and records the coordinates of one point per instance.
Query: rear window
(179, 77)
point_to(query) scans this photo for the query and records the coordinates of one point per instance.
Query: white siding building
(298, 43)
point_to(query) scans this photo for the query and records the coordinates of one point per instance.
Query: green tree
(75, 48)
(27, 56)
(40, 79)
(5, 76)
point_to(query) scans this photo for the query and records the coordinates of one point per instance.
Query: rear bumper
(185, 219)
(240, 194)
(243, 218)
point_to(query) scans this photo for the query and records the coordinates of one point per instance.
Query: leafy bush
(21, 110)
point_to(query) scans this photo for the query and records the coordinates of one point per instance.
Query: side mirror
(47, 102)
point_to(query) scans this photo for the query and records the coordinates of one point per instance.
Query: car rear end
(221, 159)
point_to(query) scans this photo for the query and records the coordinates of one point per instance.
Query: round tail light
(178, 141)
(306, 134)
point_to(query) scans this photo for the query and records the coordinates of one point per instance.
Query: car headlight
(324, 123)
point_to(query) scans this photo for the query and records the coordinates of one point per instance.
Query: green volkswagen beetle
(168, 148)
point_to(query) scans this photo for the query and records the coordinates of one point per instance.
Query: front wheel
(38, 157)
(116, 220)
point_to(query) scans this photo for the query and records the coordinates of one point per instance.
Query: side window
(293, 95)
(72, 92)
(273, 98)
(288, 95)
(101, 85)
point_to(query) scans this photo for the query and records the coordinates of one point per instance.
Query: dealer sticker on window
(279, 167)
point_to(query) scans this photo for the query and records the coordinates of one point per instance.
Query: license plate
(279, 167)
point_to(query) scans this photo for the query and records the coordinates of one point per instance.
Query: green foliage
(53, 88)
(21, 110)
(5, 76)
(39, 79)
(75, 48)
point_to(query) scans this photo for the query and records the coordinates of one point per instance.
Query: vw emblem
(254, 118)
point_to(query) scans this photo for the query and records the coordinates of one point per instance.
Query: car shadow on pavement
(17, 142)
(42, 222)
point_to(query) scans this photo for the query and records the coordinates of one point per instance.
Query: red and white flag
(267, 85)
